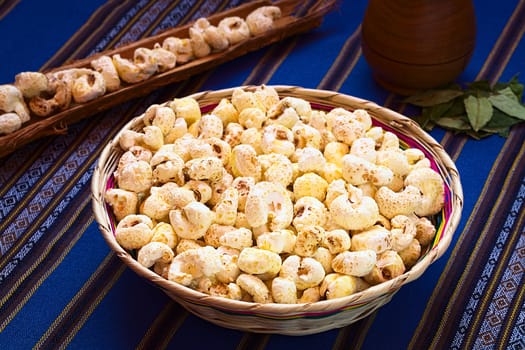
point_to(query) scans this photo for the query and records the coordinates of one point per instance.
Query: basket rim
(392, 119)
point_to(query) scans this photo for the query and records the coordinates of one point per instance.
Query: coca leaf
(500, 120)
(508, 104)
(457, 124)
(516, 87)
(457, 108)
(479, 111)
(436, 112)
(480, 85)
(433, 97)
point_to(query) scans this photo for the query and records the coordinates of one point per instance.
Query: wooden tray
(293, 21)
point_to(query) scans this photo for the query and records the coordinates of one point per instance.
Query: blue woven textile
(60, 284)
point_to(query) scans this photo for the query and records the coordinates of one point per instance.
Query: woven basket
(294, 319)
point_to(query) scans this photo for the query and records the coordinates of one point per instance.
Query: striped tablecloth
(61, 286)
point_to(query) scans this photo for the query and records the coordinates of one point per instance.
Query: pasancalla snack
(265, 199)
(41, 95)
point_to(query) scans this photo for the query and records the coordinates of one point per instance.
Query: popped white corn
(264, 199)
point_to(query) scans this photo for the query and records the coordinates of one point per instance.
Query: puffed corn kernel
(337, 285)
(269, 203)
(306, 136)
(255, 287)
(364, 147)
(134, 231)
(229, 269)
(233, 133)
(205, 168)
(389, 265)
(347, 129)
(259, 261)
(305, 272)
(226, 112)
(239, 238)
(218, 187)
(331, 172)
(363, 117)
(153, 137)
(309, 239)
(277, 138)
(280, 241)
(411, 253)
(193, 264)
(152, 252)
(122, 202)
(334, 152)
(226, 208)
(284, 291)
(310, 159)
(392, 203)
(353, 214)
(187, 108)
(309, 211)
(161, 117)
(403, 230)
(376, 238)
(432, 189)
(244, 162)
(425, 231)
(245, 99)
(175, 196)
(133, 154)
(164, 233)
(187, 244)
(178, 130)
(210, 125)
(201, 190)
(276, 168)
(310, 184)
(214, 232)
(192, 221)
(337, 241)
(136, 177)
(324, 256)
(309, 295)
(252, 137)
(252, 118)
(358, 263)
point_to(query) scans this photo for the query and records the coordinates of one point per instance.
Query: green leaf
(507, 104)
(457, 108)
(479, 111)
(499, 121)
(480, 85)
(507, 92)
(433, 97)
(477, 135)
(437, 111)
(517, 88)
(422, 120)
(458, 124)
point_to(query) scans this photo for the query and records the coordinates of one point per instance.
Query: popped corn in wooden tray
(321, 246)
(53, 117)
